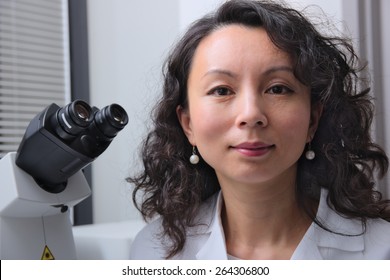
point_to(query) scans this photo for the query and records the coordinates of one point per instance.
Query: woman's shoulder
(147, 243)
(378, 230)
(150, 243)
(377, 239)
(350, 238)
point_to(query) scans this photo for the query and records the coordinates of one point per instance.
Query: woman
(261, 146)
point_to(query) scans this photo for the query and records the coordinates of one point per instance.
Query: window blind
(34, 63)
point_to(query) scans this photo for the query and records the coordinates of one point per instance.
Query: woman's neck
(262, 222)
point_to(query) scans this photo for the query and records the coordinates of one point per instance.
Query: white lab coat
(207, 241)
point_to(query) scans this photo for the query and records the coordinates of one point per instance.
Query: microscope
(44, 178)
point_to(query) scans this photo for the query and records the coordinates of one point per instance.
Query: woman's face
(247, 114)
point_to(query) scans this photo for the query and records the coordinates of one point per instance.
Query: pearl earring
(194, 158)
(310, 154)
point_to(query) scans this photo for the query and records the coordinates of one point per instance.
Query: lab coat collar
(215, 246)
(347, 233)
(317, 242)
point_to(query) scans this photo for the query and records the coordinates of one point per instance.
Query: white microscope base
(27, 238)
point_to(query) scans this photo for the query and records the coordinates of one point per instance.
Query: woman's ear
(185, 122)
(315, 116)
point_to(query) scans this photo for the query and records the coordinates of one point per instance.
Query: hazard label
(47, 255)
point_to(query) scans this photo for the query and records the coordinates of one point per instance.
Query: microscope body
(44, 179)
(34, 223)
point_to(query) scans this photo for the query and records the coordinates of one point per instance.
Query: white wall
(128, 40)
(127, 43)
(191, 10)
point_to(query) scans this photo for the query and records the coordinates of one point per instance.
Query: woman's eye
(279, 89)
(221, 91)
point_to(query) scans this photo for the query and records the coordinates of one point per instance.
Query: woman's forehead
(237, 46)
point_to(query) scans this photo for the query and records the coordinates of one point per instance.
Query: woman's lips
(253, 149)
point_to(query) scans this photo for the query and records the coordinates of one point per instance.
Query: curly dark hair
(347, 160)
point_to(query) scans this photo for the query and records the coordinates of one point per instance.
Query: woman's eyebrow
(220, 72)
(277, 69)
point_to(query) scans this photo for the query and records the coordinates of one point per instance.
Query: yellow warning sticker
(47, 255)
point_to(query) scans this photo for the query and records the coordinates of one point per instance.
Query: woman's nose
(251, 111)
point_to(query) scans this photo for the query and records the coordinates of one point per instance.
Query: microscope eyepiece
(73, 118)
(118, 114)
(81, 112)
(111, 119)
